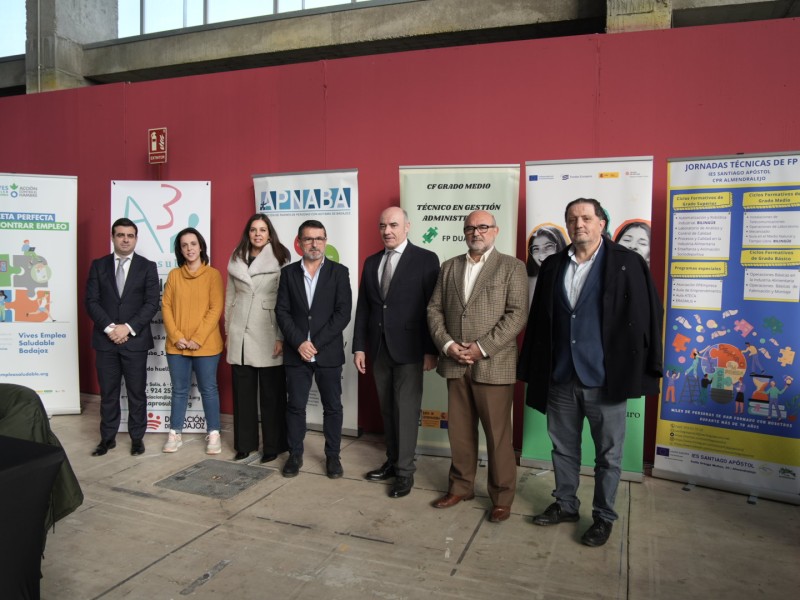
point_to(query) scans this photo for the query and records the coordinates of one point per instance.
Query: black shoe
(293, 465)
(333, 467)
(382, 473)
(554, 514)
(241, 455)
(598, 534)
(402, 486)
(137, 447)
(265, 458)
(103, 447)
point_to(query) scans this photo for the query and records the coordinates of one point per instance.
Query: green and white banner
(330, 197)
(624, 186)
(437, 200)
(38, 303)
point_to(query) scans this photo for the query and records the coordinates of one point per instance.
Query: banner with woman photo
(437, 200)
(160, 210)
(38, 271)
(624, 186)
(730, 406)
(330, 197)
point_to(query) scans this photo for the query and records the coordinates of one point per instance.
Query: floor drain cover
(215, 479)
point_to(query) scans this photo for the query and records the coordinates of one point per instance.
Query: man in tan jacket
(477, 309)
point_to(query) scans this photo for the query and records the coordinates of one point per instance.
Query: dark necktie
(386, 275)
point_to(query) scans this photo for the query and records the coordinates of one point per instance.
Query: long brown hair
(280, 251)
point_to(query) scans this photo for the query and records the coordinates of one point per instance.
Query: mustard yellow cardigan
(191, 308)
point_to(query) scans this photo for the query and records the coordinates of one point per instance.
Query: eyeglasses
(470, 229)
(308, 240)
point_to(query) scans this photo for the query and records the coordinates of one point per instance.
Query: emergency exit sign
(157, 146)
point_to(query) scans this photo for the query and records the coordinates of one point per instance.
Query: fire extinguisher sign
(157, 146)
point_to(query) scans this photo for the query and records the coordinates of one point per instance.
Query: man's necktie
(121, 275)
(386, 276)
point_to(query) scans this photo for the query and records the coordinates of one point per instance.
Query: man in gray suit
(477, 309)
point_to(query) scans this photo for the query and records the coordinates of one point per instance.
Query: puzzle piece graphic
(719, 380)
(430, 235)
(774, 325)
(35, 274)
(679, 342)
(743, 327)
(787, 356)
(7, 270)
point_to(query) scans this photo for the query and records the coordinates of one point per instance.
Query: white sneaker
(173, 442)
(214, 445)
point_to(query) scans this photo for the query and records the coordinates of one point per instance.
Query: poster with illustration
(38, 304)
(160, 210)
(729, 415)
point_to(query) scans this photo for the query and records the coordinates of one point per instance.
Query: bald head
(394, 227)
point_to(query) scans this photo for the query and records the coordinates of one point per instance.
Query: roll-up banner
(38, 274)
(624, 186)
(160, 210)
(730, 402)
(330, 197)
(437, 200)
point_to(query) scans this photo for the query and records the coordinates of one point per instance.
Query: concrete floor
(310, 537)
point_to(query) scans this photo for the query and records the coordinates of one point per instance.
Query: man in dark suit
(477, 309)
(396, 285)
(122, 296)
(593, 341)
(313, 308)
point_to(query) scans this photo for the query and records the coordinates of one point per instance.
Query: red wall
(675, 93)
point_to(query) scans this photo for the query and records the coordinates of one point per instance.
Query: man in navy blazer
(391, 325)
(313, 308)
(593, 341)
(122, 296)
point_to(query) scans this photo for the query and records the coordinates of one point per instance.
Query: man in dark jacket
(122, 296)
(593, 341)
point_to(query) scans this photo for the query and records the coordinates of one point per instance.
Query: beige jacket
(250, 310)
(494, 315)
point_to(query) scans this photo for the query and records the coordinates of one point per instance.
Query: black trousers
(254, 388)
(111, 368)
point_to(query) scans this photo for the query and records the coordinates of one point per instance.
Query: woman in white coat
(255, 343)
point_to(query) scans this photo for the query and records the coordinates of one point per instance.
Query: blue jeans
(180, 371)
(567, 405)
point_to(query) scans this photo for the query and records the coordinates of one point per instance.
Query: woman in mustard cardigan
(191, 307)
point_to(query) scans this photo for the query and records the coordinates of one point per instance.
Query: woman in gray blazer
(255, 343)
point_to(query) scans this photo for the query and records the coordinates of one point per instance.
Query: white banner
(437, 200)
(330, 197)
(38, 303)
(624, 186)
(160, 210)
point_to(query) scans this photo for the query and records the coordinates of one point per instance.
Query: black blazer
(326, 319)
(400, 319)
(139, 303)
(632, 319)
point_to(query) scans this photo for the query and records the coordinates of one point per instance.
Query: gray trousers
(567, 405)
(400, 395)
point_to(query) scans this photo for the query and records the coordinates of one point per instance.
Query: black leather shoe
(402, 486)
(333, 467)
(598, 533)
(293, 465)
(137, 447)
(382, 473)
(554, 514)
(241, 455)
(265, 458)
(103, 447)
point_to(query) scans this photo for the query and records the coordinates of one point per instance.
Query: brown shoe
(449, 500)
(500, 513)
